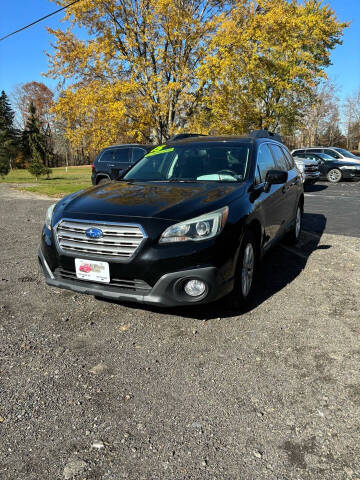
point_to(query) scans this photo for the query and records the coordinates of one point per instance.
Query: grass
(59, 184)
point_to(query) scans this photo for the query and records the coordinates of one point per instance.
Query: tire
(245, 272)
(293, 236)
(102, 181)
(334, 175)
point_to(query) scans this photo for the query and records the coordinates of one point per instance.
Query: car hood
(171, 201)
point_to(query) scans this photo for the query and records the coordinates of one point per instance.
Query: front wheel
(245, 272)
(334, 175)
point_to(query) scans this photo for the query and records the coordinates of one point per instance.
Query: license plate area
(92, 270)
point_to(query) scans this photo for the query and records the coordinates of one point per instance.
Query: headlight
(199, 228)
(49, 216)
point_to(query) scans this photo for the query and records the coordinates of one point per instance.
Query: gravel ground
(97, 390)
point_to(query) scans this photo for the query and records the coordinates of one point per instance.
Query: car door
(105, 162)
(267, 204)
(288, 204)
(121, 161)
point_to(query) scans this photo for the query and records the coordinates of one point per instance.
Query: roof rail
(180, 136)
(265, 134)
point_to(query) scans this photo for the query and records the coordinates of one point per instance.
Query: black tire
(293, 236)
(241, 293)
(102, 181)
(334, 175)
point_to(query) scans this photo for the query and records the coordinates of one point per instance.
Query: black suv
(113, 160)
(187, 224)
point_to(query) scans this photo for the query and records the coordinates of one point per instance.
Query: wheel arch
(101, 176)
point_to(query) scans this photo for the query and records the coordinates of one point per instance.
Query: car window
(107, 156)
(257, 179)
(332, 153)
(265, 161)
(121, 155)
(310, 156)
(314, 150)
(296, 152)
(137, 153)
(289, 158)
(280, 159)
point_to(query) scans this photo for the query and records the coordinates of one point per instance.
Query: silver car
(309, 169)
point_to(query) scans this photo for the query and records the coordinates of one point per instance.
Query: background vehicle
(332, 169)
(186, 224)
(308, 168)
(112, 160)
(334, 152)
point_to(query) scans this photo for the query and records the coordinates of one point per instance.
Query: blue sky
(22, 57)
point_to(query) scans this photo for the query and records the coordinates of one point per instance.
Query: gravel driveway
(97, 390)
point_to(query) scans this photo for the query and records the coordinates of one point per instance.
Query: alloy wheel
(247, 272)
(334, 175)
(298, 223)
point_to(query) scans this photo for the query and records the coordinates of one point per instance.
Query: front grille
(136, 286)
(118, 240)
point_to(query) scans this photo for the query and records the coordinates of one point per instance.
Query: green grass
(59, 184)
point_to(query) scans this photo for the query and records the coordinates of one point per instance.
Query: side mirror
(275, 177)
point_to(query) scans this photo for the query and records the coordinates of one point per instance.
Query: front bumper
(350, 174)
(312, 177)
(167, 291)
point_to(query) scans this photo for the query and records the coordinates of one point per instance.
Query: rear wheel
(293, 236)
(245, 272)
(102, 181)
(334, 175)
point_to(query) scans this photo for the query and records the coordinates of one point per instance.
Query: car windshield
(345, 153)
(193, 163)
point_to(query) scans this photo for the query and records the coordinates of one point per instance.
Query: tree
(8, 135)
(135, 77)
(264, 62)
(40, 95)
(34, 145)
(321, 120)
(352, 121)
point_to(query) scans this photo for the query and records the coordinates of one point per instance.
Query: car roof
(219, 139)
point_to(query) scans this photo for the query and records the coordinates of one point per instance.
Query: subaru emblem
(94, 232)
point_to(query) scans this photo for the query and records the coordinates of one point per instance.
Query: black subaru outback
(187, 224)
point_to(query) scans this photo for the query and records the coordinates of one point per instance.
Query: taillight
(92, 167)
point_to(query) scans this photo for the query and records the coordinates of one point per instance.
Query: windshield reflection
(193, 163)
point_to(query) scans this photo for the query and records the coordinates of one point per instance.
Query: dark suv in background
(187, 224)
(113, 160)
(332, 169)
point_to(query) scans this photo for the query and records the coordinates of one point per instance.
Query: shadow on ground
(315, 188)
(279, 267)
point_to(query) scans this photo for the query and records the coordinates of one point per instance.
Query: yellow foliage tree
(134, 78)
(264, 61)
(149, 68)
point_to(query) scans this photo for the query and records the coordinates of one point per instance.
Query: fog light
(195, 288)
